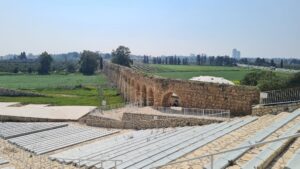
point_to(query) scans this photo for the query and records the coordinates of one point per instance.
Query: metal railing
(211, 156)
(220, 113)
(280, 96)
(133, 107)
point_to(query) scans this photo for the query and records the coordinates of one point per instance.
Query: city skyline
(158, 27)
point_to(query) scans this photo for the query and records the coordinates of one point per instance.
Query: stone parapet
(261, 110)
(146, 121)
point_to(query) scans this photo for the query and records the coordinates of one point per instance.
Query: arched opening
(124, 88)
(132, 91)
(137, 93)
(171, 100)
(150, 97)
(144, 96)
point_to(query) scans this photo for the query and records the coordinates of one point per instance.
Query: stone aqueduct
(156, 91)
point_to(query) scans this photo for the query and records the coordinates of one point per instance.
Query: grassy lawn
(189, 71)
(73, 89)
(26, 81)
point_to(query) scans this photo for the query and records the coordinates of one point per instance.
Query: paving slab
(45, 111)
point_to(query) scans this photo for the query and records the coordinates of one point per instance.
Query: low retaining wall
(146, 121)
(261, 110)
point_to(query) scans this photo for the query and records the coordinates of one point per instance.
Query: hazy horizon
(269, 28)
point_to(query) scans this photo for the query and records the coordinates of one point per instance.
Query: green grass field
(189, 71)
(25, 81)
(73, 89)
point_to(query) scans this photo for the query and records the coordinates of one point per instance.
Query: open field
(185, 72)
(73, 89)
(27, 81)
(189, 71)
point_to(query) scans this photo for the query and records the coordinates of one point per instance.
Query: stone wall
(155, 91)
(261, 110)
(146, 121)
(15, 93)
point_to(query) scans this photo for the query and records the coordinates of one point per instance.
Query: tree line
(89, 62)
(198, 60)
(275, 63)
(45, 64)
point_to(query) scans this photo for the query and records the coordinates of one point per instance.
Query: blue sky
(258, 28)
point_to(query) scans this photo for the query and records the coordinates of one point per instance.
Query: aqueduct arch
(137, 93)
(171, 99)
(150, 97)
(132, 90)
(144, 96)
(150, 90)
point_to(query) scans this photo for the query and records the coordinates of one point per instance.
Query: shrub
(264, 80)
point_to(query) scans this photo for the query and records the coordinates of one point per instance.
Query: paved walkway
(44, 111)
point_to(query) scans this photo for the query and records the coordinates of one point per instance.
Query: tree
(88, 62)
(29, 70)
(16, 70)
(100, 63)
(71, 68)
(121, 56)
(45, 63)
(273, 63)
(281, 63)
(22, 56)
(244, 61)
(198, 59)
(294, 81)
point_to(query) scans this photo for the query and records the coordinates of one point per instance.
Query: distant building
(236, 54)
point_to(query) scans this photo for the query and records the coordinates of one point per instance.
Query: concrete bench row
(265, 157)
(224, 160)
(51, 140)
(11, 130)
(294, 162)
(147, 148)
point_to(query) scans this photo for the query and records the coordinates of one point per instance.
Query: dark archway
(150, 98)
(137, 93)
(144, 96)
(132, 91)
(171, 99)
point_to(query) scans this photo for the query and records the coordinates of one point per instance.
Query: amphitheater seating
(11, 130)
(294, 162)
(117, 142)
(225, 159)
(264, 157)
(147, 148)
(47, 141)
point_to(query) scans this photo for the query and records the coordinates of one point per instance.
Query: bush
(16, 70)
(264, 80)
(71, 68)
(294, 81)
